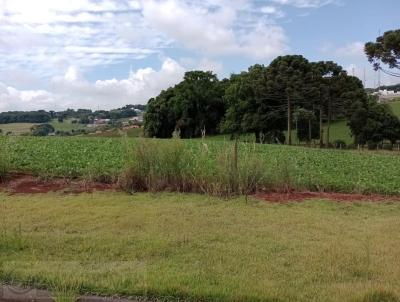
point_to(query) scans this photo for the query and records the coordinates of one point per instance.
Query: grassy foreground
(201, 248)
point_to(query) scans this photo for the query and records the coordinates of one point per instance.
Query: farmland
(16, 128)
(24, 128)
(297, 167)
(66, 125)
(198, 248)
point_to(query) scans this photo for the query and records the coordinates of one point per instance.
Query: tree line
(291, 93)
(84, 116)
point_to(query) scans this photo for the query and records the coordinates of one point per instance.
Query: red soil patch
(302, 196)
(25, 184)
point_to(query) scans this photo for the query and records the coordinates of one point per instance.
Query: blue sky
(104, 53)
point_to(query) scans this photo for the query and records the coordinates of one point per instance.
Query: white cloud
(305, 3)
(46, 36)
(41, 35)
(218, 28)
(72, 90)
(39, 40)
(353, 49)
(273, 11)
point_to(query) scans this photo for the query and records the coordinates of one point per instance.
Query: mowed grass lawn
(200, 248)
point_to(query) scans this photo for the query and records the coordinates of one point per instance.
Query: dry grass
(156, 165)
(5, 163)
(200, 248)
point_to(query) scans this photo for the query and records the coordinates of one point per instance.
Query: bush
(339, 144)
(153, 165)
(372, 145)
(5, 165)
(42, 130)
(388, 147)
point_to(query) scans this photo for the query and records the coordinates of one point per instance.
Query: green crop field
(179, 247)
(299, 167)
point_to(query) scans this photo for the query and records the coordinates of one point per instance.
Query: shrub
(154, 165)
(4, 158)
(42, 130)
(339, 144)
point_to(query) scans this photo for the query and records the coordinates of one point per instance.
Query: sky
(104, 54)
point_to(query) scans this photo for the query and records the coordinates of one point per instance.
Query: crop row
(285, 167)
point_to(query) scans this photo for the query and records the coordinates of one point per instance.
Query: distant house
(386, 95)
(100, 121)
(137, 119)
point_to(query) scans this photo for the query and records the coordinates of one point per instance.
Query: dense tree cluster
(291, 93)
(87, 116)
(83, 116)
(25, 117)
(42, 130)
(194, 105)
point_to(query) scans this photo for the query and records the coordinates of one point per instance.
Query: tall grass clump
(155, 165)
(222, 169)
(5, 162)
(228, 168)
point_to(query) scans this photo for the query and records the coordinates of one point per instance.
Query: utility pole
(289, 121)
(329, 120)
(379, 85)
(321, 128)
(364, 78)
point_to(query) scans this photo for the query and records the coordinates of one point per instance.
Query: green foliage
(192, 106)
(251, 108)
(372, 123)
(385, 50)
(42, 130)
(152, 165)
(306, 124)
(5, 164)
(40, 116)
(339, 144)
(267, 100)
(332, 170)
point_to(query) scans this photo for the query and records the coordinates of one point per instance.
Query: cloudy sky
(58, 54)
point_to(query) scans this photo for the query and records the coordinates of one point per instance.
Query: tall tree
(286, 78)
(385, 50)
(192, 106)
(252, 108)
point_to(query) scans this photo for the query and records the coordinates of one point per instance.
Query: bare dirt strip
(282, 197)
(27, 184)
(19, 294)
